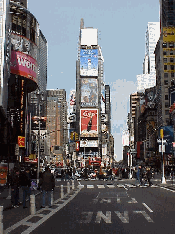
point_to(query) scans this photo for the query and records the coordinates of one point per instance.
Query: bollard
(51, 198)
(73, 185)
(1, 219)
(62, 192)
(68, 187)
(32, 205)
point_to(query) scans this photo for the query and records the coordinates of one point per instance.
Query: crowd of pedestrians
(23, 179)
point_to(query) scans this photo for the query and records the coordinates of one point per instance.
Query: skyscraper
(148, 78)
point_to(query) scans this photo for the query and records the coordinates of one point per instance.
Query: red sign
(89, 123)
(21, 141)
(77, 146)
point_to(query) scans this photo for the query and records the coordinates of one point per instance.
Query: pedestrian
(138, 173)
(25, 182)
(47, 184)
(110, 174)
(149, 176)
(15, 184)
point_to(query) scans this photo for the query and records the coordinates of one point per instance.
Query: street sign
(160, 148)
(160, 141)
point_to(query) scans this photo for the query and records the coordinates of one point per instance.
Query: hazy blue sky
(122, 25)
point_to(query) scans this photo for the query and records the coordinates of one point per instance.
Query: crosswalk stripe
(110, 186)
(100, 186)
(90, 186)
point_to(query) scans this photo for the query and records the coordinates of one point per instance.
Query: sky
(122, 26)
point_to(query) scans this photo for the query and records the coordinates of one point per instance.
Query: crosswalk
(101, 186)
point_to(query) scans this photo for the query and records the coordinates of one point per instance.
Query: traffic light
(72, 136)
(76, 136)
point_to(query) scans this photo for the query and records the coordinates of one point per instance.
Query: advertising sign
(24, 45)
(21, 141)
(89, 143)
(3, 173)
(35, 123)
(23, 65)
(89, 123)
(89, 92)
(89, 36)
(168, 135)
(72, 97)
(89, 62)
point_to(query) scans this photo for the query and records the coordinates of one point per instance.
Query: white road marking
(124, 218)
(147, 207)
(110, 186)
(100, 186)
(147, 217)
(90, 186)
(106, 218)
(87, 217)
(133, 200)
(33, 226)
(80, 186)
(108, 200)
(168, 189)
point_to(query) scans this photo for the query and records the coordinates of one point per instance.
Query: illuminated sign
(89, 36)
(21, 141)
(89, 123)
(89, 92)
(89, 62)
(23, 65)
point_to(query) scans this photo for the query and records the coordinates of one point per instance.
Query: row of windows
(166, 60)
(171, 52)
(168, 67)
(168, 45)
(166, 75)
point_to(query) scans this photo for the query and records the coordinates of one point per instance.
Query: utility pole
(163, 173)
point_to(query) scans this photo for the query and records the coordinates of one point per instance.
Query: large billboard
(23, 57)
(89, 62)
(89, 36)
(89, 92)
(23, 65)
(89, 123)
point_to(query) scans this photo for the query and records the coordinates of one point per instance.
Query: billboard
(168, 135)
(35, 122)
(89, 36)
(23, 65)
(89, 92)
(89, 123)
(89, 62)
(72, 97)
(89, 143)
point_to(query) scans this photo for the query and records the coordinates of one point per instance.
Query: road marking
(133, 200)
(80, 186)
(106, 218)
(100, 186)
(90, 186)
(110, 186)
(147, 217)
(124, 218)
(168, 189)
(33, 226)
(105, 200)
(87, 217)
(118, 199)
(147, 207)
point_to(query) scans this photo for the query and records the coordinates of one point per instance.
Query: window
(171, 45)
(172, 67)
(166, 104)
(165, 67)
(172, 74)
(166, 97)
(165, 60)
(171, 60)
(165, 75)
(167, 112)
(165, 82)
(171, 52)
(164, 52)
(164, 45)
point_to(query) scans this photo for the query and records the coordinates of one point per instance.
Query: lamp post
(163, 174)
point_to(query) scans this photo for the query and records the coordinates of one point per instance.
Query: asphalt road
(106, 207)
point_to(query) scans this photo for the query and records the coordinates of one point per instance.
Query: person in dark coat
(15, 184)
(149, 176)
(25, 182)
(47, 184)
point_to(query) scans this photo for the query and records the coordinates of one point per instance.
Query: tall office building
(90, 97)
(148, 78)
(57, 121)
(165, 58)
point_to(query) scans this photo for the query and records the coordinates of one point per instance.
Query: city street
(106, 207)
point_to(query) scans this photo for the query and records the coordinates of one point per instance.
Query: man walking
(47, 184)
